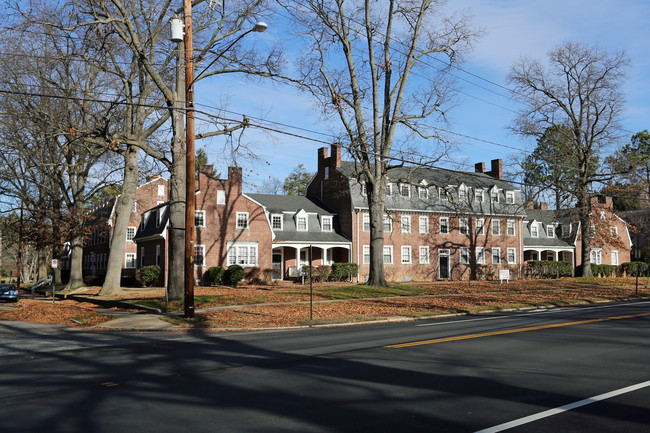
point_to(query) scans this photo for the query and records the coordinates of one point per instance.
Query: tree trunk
(123, 207)
(76, 246)
(376, 204)
(584, 206)
(42, 264)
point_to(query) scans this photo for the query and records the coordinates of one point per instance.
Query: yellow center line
(512, 331)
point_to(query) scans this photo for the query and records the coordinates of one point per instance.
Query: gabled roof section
(154, 224)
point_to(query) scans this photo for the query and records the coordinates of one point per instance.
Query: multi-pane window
(221, 196)
(242, 220)
(510, 197)
(406, 224)
(389, 189)
(366, 222)
(463, 226)
(495, 195)
(388, 254)
(366, 254)
(243, 255)
(596, 256)
(405, 190)
(129, 260)
(480, 255)
(423, 193)
(161, 189)
(533, 230)
(496, 227)
(478, 195)
(550, 231)
(613, 231)
(464, 255)
(614, 257)
(406, 255)
(496, 256)
(326, 223)
(276, 222)
(301, 223)
(424, 255)
(424, 224)
(512, 256)
(388, 224)
(199, 218)
(566, 230)
(199, 255)
(480, 226)
(511, 227)
(462, 193)
(130, 233)
(444, 225)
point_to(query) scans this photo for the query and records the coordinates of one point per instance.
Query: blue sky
(483, 109)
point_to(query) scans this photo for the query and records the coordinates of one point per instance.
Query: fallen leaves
(61, 312)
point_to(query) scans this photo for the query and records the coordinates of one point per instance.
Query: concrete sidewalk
(136, 321)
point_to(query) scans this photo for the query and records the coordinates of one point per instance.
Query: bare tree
(369, 64)
(580, 89)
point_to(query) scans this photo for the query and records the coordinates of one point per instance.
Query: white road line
(533, 313)
(565, 408)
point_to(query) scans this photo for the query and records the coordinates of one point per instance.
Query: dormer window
(534, 230)
(301, 223)
(423, 192)
(510, 197)
(550, 231)
(566, 229)
(364, 189)
(494, 195)
(478, 195)
(462, 193)
(389, 189)
(276, 221)
(405, 190)
(326, 223)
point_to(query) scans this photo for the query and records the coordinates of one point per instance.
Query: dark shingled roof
(546, 217)
(150, 227)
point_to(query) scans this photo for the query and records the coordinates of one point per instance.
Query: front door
(443, 264)
(276, 264)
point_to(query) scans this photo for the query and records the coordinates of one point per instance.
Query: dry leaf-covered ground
(337, 303)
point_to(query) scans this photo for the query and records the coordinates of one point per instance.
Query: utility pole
(190, 198)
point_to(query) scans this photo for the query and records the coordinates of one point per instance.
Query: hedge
(233, 275)
(214, 275)
(550, 269)
(148, 275)
(344, 271)
(630, 268)
(603, 270)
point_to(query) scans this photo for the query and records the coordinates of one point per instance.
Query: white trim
(409, 252)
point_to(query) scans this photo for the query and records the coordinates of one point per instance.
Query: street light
(190, 199)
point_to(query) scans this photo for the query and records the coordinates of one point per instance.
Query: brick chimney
(530, 204)
(497, 169)
(235, 177)
(322, 156)
(479, 167)
(336, 155)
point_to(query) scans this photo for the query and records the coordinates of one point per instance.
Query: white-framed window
(388, 224)
(129, 260)
(424, 224)
(423, 192)
(161, 189)
(462, 193)
(364, 188)
(134, 208)
(221, 196)
(301, 223)
(566, 230)
(406, 224)
(242, 220)
(613, 231)
(592, 231)
(614, 254)
(602, 215)
(276, 221)
(496, 227)
(533, 230)
(480, 255)
(480, 226)
(242, 253)
(444, 225)
(510, 227)
(366, 254)
(157, 255)
(389, 189)
(550, 231)
(496, 256)
(478, 195)
(512, 256)
(326, 224)
(406, 254)
(510, 197)
(141, 256)
(405, 190)
(463, 226)
(366, 222)
(494, 195)
(596, 256)
(130, 233)
(464, 255)
(388, 254)
(199, 218)
(199, 255)
(424, 255)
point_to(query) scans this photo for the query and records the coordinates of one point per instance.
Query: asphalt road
(582, 369)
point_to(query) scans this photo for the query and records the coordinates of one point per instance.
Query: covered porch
(550, 254)
(288, 258)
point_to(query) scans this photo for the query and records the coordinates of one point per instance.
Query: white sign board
(55, 263)
(504, 274)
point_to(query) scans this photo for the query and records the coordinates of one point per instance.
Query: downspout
(357, 246)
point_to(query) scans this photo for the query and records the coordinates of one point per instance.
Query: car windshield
(7, 286)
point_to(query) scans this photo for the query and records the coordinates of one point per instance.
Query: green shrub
(148, 275)
(324, 272)
(630, 268)
(233, 275)
(550, 269)
(601, 270)
(344, 271)
(214, 275)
